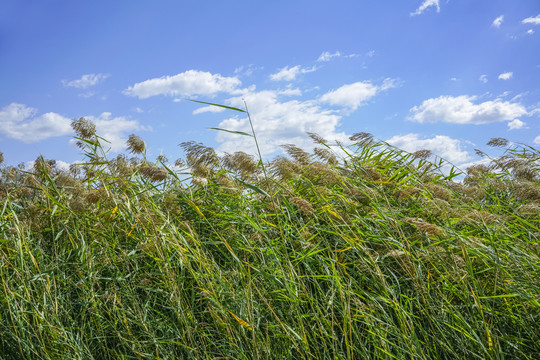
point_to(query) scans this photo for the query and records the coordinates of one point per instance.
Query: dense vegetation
(352, 252)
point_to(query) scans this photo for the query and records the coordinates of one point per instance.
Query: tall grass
(356, 252)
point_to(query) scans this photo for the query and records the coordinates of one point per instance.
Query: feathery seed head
(135, 144)
(325, 154)
(240, 161)
(362, 139)
(422, 154)
(84, 128)
(297, 154)
(497, 142)
(303, 205)
(317, 138)
(153, 173)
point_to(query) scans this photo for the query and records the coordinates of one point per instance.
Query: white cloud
(426, 4)
(532, 20)
(327, 56)
(537, 140)
(289, 74)
(441, 145)
(506, 75)
(356, 94)
(188, 83)
(515, 124)
(530, 31)
(498, 21)
(462, 110)
(85, 81)
(20, 122)
(209, 108)
(483, 78)
(277, 123)
(17, 121)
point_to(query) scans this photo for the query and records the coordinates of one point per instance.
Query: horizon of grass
(350, 252)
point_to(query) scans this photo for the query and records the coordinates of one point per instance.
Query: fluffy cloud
(498, 21)
(506, 75)
(354, 95)
(483, 78)
(277, 122)
(537, 140)
(515, 124)
(532, 20)
(188, 83)
(85, 81)
(20, 122)
(426, 4)
(327, 56)
(289, 74)
(441, 145)
(462, 110)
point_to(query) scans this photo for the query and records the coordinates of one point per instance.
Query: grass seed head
(297, 154)
(135, 144)
(303, 205)
(84, 128)
(153, 173)
(497, 142)
(422, 154)
(317, 138)
(326, 155)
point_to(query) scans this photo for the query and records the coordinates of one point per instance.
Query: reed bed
(350, 252)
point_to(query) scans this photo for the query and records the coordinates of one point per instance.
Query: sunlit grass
(351, 252)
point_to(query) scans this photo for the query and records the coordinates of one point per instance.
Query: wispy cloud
(85, 81)
(188, 83)
(483, 78)
(506, 75)
(463, 110)
(537, 140)
(289, 74)
(426, 4)
(356, 94)
(532, 20)
(327, 56)
(498, 21)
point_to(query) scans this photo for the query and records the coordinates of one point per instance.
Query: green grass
(352, 252)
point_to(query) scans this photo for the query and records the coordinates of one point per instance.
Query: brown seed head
(303, 205)
(297, 154)
(135, 144)
(497, 142)
(317, 138)
(325, 154)
(84, 128)
(422, 154)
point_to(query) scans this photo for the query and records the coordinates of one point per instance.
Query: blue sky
(446, 75)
